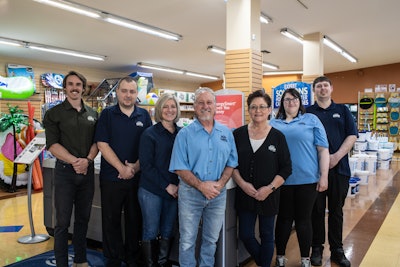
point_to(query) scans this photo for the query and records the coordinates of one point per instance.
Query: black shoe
(316, 256)
(339, 258)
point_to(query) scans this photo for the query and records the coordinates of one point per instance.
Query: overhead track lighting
(265, 18)
(270, 66)
(176, 71)
(51, 49)
(110, 18)
(292, 35)
(330, 43)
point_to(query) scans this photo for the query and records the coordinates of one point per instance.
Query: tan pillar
(313, 57)
(243, 59)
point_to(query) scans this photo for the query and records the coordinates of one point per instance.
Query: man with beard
(70, 128)
(204, 156)
(118, 134)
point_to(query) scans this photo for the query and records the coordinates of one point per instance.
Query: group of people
(153, 174)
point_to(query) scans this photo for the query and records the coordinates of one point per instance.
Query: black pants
(71, 189)
(117, 197)
(338, 186)
(296, 204)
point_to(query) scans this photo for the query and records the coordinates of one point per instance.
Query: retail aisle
(371, 230)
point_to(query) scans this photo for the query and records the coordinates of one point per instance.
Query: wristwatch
(273, 188)
(90, 161)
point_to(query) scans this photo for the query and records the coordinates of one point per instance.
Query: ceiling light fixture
(265, 18)
(216, 49)
(270, 66)
(219, 50)
(292, 35)
(110, 18)
(289, 72)
(176, 71)
(51, 49)
(330, 43)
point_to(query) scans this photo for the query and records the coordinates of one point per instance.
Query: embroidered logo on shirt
(272, 148)
(336, 116)
(223, 138)
(90, 118)
(139, 123)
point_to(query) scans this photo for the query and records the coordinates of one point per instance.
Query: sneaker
(280, 261)
(316, 256)
(338, 257)
(305, 262)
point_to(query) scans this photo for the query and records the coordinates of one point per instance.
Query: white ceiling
(365, 28)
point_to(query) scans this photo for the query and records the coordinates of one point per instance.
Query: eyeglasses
(290, 100)
(261, 107)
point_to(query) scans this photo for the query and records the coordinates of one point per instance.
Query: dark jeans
(263, 251)
(296, 204)
(338, 186)
(159, 215)
(117, 197)
(71, 189)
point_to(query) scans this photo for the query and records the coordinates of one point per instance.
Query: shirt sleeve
(51, 129)
(179, 158)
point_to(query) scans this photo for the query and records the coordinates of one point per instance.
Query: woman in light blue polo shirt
(308, 146)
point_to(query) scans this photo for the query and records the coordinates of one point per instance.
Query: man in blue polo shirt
(204, 156)
(118, 134)
(342, 133)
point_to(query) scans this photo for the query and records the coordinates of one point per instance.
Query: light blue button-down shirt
(204, 154)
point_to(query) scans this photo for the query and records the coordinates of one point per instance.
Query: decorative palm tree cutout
(14, 119)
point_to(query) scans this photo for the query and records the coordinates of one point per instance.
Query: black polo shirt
(339, 124)
(72, 129)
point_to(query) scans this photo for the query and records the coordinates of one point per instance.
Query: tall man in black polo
(70, 128)
(342, 133)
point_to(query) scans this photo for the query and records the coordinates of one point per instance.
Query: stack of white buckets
(369, 154)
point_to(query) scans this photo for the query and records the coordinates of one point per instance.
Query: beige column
(313, 57)
(243, 58)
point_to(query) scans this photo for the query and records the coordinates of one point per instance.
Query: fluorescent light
(216, 49)
(292, 35)
(11, 42)
(202, 75)
(156, 67)
(72, 7)
(176, 71)
(138, 26)
(63, 51)
(289, 72)
(51, 49)
(265, 19)
(270, 66)
(110, 18)
(330, 43)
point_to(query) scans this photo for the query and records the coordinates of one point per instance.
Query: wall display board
(304, 89)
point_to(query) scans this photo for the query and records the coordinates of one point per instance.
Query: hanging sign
(303, 88)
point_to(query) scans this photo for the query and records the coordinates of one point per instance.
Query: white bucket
(353, 165)
(383, 164)
(360, 164)
(363, 175)
(373, 145)
(372, 153)
(362, 136)
(360, 146)
(384, 154)
(370, 164)
(352, 188)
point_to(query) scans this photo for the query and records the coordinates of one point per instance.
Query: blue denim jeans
(193, 206)
(71, 189)
(263, 251)
(159, 215)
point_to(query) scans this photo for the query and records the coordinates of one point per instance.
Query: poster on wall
(230, 108)
(16, 70)
(303, 88)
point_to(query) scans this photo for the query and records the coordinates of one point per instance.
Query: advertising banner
(230, 108)
(304, 89)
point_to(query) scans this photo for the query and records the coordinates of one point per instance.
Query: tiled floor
(372, 235)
